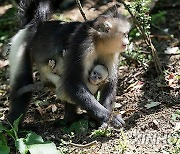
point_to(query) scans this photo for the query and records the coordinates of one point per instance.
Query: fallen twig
(84, 145)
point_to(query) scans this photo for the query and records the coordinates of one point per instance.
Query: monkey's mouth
(124, 45)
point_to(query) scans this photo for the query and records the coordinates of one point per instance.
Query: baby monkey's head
(98, 75)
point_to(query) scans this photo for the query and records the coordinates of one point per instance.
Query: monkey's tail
(32, 12)
(20, 75)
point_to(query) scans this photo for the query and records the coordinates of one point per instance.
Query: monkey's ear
(102, 24)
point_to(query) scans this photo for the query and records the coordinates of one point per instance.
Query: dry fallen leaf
(136, 85)
(4, 63)
(117, 105)
(152, 104)
(40, 110)
(54, 108)
(4, 8)
(128, 111)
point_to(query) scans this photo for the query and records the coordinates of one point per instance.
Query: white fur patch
(17, 48)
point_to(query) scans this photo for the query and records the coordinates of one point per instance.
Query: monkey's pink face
(119, 42)
(112, 34)
(113, 44)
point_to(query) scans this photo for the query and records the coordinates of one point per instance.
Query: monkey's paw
(117, 121)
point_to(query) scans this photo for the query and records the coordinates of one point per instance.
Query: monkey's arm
(107, 98)
(80, 95)
(108, 94)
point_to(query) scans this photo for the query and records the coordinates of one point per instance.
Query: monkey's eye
(126, 34)
(94, 73)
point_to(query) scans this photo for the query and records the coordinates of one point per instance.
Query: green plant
(176, 115)
(122, 145)
(140, 9)
(34, 144)
(4, 148)
(101, 132)
(174, 141)
(79, 127)
(4, 132)
(159, 18)
(31, 143)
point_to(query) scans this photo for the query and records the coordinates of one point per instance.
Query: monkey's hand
(117, 121)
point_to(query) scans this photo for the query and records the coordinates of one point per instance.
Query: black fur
(32, 12)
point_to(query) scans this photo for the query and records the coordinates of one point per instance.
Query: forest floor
(150, 104)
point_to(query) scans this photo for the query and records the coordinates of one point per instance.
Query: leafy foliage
(79, 127)
(176, 115)
(140, 8)
(32, 143)
(101, 132)
(159, 18)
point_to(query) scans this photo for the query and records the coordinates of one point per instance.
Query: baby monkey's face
(98, 75)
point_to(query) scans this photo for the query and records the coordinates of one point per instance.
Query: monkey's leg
(70, 113)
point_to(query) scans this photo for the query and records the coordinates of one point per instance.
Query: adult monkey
(91, 43)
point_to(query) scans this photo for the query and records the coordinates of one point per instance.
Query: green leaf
(35, 145)
(4, 149)
(176, 115)
(11, 134)
(79, 127)
(21, 146)
(43, 148)
(2, 127)
(101, 132)
(177, 77)
(33, 138)
(3, 139)
(16, 123)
